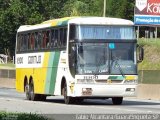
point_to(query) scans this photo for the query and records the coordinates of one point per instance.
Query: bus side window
(61, 36)
(65, 37)
(36, 40)
(52, 38)
(44, 43)
(28, 40)
(22, 43)
(25, 42)
(56, 38)
(59, 43)
(31, 41)
(18, 42)
(40, 38)
(48, 39)
(72, 32)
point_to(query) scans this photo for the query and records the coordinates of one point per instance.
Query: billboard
(147, 12)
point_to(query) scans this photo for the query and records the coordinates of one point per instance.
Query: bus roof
(76, 20)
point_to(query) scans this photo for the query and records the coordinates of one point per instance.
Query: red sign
(147, 7)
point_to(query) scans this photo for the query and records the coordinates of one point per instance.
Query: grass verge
(7, 66)
(151, 54)
(20, 116)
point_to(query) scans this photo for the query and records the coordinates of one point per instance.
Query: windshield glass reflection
(101, 58)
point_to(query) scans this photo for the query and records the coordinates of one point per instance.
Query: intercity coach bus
(78, 58)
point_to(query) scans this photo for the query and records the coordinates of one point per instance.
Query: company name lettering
(34, 59)
(19, 60)
(153, 8)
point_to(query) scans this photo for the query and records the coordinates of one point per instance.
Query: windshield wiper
(98, 65)
(117, 63)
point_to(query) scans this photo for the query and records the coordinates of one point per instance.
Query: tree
(120, 8)
(83, 8)
(14, 13)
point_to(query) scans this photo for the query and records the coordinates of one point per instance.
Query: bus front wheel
(34, 97)
(67, 99)
(117, 100)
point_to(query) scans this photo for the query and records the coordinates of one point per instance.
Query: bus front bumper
(119, 90)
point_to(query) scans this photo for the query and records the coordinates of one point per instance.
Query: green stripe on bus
(49, 72)
(62, 23)
(116, 77)
(54, 72)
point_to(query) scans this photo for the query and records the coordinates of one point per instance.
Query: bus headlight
(131, 80)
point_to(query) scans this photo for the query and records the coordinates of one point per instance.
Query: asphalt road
(12, 101)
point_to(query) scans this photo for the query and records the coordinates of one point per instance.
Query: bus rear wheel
(67, 99)
(42, 97)
(117, 100)
(27, 92)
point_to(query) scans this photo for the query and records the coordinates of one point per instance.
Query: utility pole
(104, 9)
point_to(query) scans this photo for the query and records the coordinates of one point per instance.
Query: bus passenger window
(72, 33)
(65, 37)
(28, 40)
(48, 39)
(22, 43)
(61, 37)
(18, 43)
(59, 43)
(56, 38)
(40, 37)
(36, 40)
(52, 38)
(25, 43)
(32, 41)
(44, 40)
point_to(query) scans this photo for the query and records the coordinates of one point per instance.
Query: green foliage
(14, 13)
(83, 8)
(151, 54)
(120, 8)
(20, 116)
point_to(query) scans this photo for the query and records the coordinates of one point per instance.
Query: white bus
(79, 58)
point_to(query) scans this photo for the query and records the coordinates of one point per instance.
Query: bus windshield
(100, 58)
(105, 32)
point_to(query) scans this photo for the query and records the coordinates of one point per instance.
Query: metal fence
(7, 73)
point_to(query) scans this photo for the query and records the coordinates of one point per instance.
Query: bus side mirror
(140, 55)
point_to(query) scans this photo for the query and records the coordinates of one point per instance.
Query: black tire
(27, 92)
(34, 97)
(67, 99)
(43, 97)
(117, 100)
(78, 100)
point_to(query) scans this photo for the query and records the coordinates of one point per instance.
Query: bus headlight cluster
(130, 81)
(84, 81)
